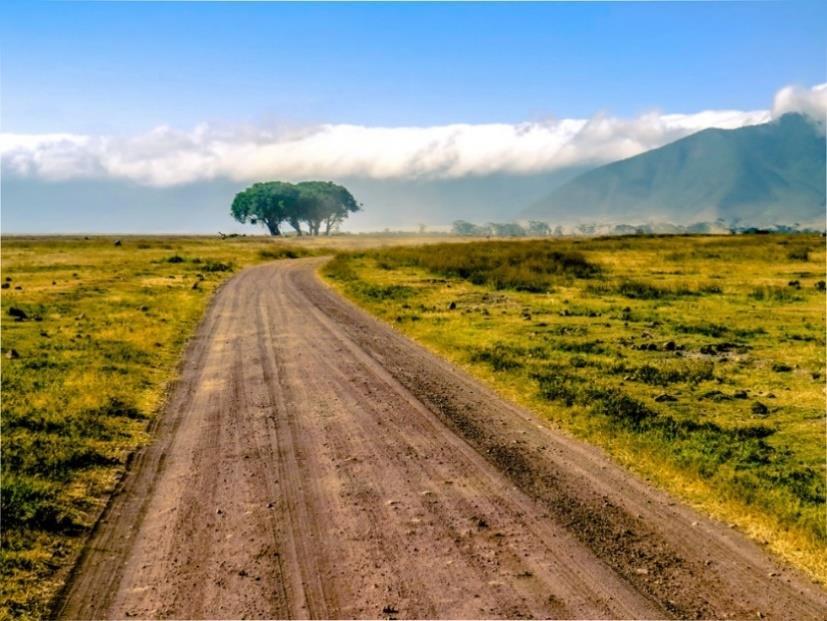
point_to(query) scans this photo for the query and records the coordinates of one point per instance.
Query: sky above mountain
(165, 95)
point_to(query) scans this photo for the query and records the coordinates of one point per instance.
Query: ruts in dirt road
(311, 462)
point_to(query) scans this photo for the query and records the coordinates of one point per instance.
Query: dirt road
(314, 463)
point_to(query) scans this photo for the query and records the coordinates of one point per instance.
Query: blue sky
(122, 68)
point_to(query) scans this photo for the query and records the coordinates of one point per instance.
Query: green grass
(91, 337)
(698, 362)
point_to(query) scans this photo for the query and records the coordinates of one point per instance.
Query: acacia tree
(316, 203)
(325, 203)
(268, 204)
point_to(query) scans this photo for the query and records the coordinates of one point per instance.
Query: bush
(799, 254)
(284, 252)
(385, 292)
(523, 266)
(774, 294)
(217, 266)
(501, 357)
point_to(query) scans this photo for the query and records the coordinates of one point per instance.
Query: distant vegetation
(536, 228)
(697, 361)
(321, 205)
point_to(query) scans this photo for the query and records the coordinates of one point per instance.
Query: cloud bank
(166, 156)
(809, 101)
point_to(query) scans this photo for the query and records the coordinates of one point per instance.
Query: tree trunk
(273, 227)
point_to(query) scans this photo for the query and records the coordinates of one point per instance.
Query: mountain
(758, 175)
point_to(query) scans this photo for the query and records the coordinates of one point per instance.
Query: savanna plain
(696, 362)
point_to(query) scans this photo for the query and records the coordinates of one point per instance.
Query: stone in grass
(18, 313)
(759, 409)
(663, 397)
(780, 367)
(12, 354)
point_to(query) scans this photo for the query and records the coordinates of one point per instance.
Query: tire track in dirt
(314, 463)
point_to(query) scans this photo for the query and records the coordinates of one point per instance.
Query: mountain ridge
(767, 174)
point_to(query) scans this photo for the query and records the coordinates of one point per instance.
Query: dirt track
(314, 463)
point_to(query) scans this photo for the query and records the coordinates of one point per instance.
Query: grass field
(92, 334)
(697, 362)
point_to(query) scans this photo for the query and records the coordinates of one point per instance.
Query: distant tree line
(534, 228)
(320, 205)
(542, 229)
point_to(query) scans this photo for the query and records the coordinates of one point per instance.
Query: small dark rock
(663, 397)
(716, 395)
(794, 283)
(118, 242)
(19, 288)
(8, 278)
(820, 286)
(759, 409)
(670, 346)
(12, 354)
(780, 367)
(5, 285)
(452, 306)
(740, 394)
(18, 313)
(390, 610)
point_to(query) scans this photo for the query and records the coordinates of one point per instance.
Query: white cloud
(166, 156)
(809, 101)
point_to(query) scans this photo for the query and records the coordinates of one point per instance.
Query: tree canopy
(321, 205)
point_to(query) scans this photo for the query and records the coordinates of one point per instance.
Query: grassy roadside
(91, 337)
(697, 362)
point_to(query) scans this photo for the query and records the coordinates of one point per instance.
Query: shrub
(284, 252)
(524, 266)
(385, 292)
(799, 254)
(501, 357)
(217, 266)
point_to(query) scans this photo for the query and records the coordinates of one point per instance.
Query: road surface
(312, 462)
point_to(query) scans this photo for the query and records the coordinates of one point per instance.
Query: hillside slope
(766, 174)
